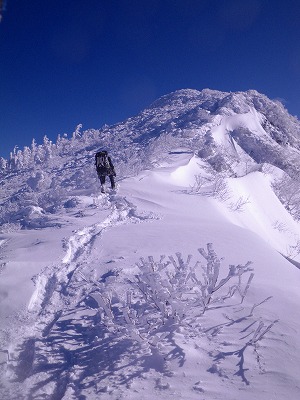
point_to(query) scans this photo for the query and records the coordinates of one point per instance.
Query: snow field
(60, 348)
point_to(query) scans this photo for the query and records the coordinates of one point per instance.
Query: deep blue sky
(96, 62)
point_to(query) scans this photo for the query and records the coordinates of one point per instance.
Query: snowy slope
(56, 344)
(90, 309)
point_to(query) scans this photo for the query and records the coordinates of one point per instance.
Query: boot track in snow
(61, 328)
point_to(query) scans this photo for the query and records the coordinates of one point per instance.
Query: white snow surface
(54, 344)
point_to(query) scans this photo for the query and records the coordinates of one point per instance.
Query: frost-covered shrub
(239, 204)
(260, 150)
(175, 285)
(207, 147)
(166, 294)
(39, 181)
(168, 299)
(51, 200)
(287, 190)
(213, 185)
(9, 227)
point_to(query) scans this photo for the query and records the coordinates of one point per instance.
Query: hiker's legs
(112, 181)
(102, 181)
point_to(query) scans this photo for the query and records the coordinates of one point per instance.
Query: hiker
(104, 167)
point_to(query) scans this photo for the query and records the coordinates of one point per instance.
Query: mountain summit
(232, 132)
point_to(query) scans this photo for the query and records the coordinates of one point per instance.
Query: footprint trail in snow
(65, 332)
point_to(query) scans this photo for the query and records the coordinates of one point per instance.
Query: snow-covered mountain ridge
(223, 129)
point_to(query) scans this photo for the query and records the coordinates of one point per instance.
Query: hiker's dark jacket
(104, 171)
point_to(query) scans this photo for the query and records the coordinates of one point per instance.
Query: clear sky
(96, 62)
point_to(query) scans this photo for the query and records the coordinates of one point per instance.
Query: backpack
(102, 160)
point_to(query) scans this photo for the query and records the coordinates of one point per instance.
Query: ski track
(42, 356)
